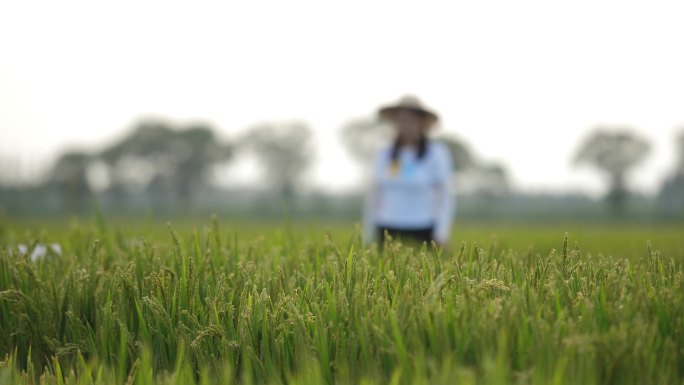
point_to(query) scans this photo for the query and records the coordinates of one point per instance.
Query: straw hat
(409, 102)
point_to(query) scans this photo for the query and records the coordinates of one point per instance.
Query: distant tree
(149, 137)
(155, 155)
(486, 179)
(461, 156)
(284, 151)
(493, 180)
(613, 151)
(70, 175)
(671, 195)
(680, 152)
(362, 136)
(200, 149)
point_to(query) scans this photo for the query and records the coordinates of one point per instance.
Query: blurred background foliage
(171, 169)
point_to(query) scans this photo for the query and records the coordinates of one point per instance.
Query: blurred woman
(410, 193)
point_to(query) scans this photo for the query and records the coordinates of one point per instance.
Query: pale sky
(520, 81)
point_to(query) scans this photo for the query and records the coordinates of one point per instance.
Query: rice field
(212, 302)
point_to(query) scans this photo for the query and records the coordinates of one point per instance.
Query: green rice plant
(215, 305)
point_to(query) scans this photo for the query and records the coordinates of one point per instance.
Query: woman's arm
(445, 200)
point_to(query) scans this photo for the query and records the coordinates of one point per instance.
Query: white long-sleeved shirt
(416, 196)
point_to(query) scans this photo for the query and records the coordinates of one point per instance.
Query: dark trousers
(413, 235)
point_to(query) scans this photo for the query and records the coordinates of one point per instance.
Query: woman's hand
(443, 245)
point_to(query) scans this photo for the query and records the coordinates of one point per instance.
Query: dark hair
(422, 141)
(422, 148)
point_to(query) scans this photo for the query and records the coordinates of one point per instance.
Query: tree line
(172, 163)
